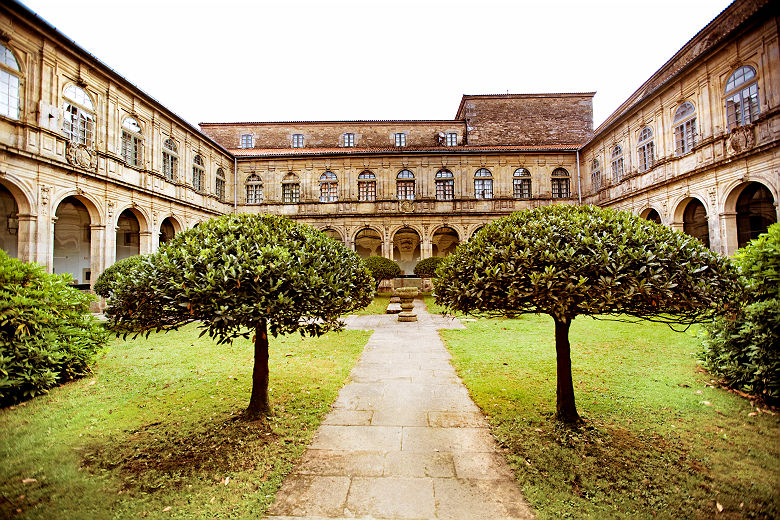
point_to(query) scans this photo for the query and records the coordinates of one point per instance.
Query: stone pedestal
(407, 296)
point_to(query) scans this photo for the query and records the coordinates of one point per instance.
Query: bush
(46, 333)
(382, 268)
(105, 283)
(743, 347)
(426, 267)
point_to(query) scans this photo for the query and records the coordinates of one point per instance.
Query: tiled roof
(280, 152)
(349, 122)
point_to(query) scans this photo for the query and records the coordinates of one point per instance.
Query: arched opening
(755, 212)
(335, 235)
(9, 223)
(695, 221)
(368, 242)
(128, 235)
(652, 215)
(444, 241)
(167, 230)
(476, 231)
(72, 240)
(406, 249)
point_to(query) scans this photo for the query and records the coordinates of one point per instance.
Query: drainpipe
(235, 185)
(579, 189)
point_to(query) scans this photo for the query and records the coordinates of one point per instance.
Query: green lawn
(156, 427)
(660, 441)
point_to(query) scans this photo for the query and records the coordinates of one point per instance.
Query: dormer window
(297, 141)
(452, 139)
(400, 139)
(349, 139)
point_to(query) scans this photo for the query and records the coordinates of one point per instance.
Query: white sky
(277, 60)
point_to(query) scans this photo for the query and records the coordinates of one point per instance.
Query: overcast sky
(274, 60)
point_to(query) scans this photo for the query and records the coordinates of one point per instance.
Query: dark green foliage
(567, 261)
(743, 347)
(231, 272)
(104, 285)
(382, 268)
(46, 333)
(426, 268)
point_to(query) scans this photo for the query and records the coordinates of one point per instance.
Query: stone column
(728, 228)
(26, 238)
(97, 243)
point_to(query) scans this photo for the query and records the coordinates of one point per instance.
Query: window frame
(132, 148)
(170, 159)
(348, 140)
(10, 84)
(329, 187)
(297, 141)
(595, 173)
(291, 189)
(684, 129)
(405, 185)
(483, 184)
(617, 164)
(400, 139)
(198, 174)
(444, 181)
(645, 148)
(451, 139)
(220, 184)
(521, 184)
(79, 118)
(739, 94)
(366, 186)
(560, 183)
(247, 141)
(253, 189)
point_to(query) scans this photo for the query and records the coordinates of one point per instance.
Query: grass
(158, 427)
(660, 440)
(378, 306)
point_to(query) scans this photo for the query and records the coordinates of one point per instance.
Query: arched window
(483, 184)
(646, 149)
(291, 189)
(742, 107)
(219, 184)
(617, 164)
(78, 121)
(445, 185)
(366, 186)
(170, 160)
(132, 142)
(198, 173)
(329, 187)
(521, 184)
(560, 183)
(404, 185)
(695, 221)
(254, 189)
(684, 128)
(9, 83)
(595, 174)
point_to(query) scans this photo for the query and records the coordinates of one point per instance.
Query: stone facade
(92, 169)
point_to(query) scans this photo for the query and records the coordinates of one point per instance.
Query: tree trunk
(565, 409)
(258, 402)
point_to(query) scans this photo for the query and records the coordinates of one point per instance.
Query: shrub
(106, 283)
(46, 333)
(382, 268)
(426, 267)
(743, 347)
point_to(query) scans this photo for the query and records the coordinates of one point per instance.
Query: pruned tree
(426, 268)
(568, 261)
(240, 275)
(382, 268)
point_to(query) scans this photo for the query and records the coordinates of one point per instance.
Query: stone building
(92, 169)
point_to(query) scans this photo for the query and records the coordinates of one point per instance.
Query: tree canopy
(382, 268)
(240, 275)
(426, 268)
(568, 261)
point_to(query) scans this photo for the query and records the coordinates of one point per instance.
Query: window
(297, 141)
(560, 183)
(78, 121)
(9, 83)
(198, 173)
(329, 187)
(742, 106)
(366, 186)
(452, 139)
(445, 185)
(483, 184)
(400, 139)
(291, 189)
(646, 149)
(521, 184)
(132, 143)
(246, 141)
(254, 189)
(404, 185)
(349, 139)
(170, 160)
(617, 164)
(684, 128)
(595, 174)
(219, 185)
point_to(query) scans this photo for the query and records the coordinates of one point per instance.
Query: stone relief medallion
(406, 206)
(81, 156)
(741, 139)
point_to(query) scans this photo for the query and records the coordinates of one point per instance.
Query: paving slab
(403, 440)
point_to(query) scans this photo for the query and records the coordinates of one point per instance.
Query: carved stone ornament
(110, 208)
(44, 200)
(81, 156)
(741, 139)
(406, 206)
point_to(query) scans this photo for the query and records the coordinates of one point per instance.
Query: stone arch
(444, 240)
(169, 227)
(333, 233)
(92, 205)
(407, 246)
(692, 218)
(368, 242)
(653, 214)
(476, 230)
(74, 238)
(15, 232)
(749, 209)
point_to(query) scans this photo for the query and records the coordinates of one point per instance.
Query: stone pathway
(404, 440)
